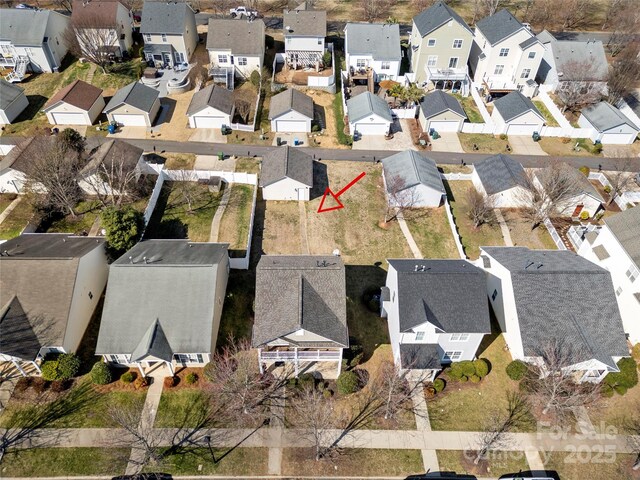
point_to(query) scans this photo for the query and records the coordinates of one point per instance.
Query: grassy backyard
(431, 231)
(498, 463)
(247, 165)
(237, 313)
(521, 233)
(6, 199)
(594, 466)
(179, 161)
(485, 143)
(281, 233)
(87, 211)
(234, 226)
(15, 222)
(558, 147)
(548, 118)
(470, 108)
(198, 461)
(64, 462)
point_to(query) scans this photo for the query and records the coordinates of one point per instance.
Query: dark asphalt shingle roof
(365, 104)
(498, 26)
(241, 37)
(8, 93)
(549, 288)
(378, 40)
(21, 156)
(213, 96)
(300, 292)
(103, 13)
(449, 294)
(164, 17)
(310, 23)
(17, 336)
(116, 155)
(435, 16)
(286, 162)
(625, 226)
(420, 356)
(291, 99)
(79, 94)
(604, 116)
(135, 94)
(499, 173)
(528, 42)
(515, 104)
(413, 169)
(438, 101)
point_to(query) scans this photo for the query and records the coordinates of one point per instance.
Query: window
(319, 41)
(188, 357)
(633, 273)
(117, 358)
(525, 73)
(90, 296)
(419, 336)
(164, 38)
(619, 291)
(453, 62)
(147, 37)
(432, 60)
(459, 337)
(498, 70)
(361, 63)
(532, 54)
(504, 52)
(457, 43)
(222, 59)
(451, 356)
(431, 42)
(242, 61)
(386, 66)
(494, 295)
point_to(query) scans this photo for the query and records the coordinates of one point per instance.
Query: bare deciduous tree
(624, 72)
(490, 7)
(400, 199)
(480, 206)
(113, 180)
(623, 19)
(632, 428)
(63, 5)
(186, 184)
(243, 109)
(397, 390)
(374, 9)
(622, 177)
(573, 14)
(92, 37)
(580, 85)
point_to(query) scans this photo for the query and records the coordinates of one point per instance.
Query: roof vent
(529, 264)
(420, 268)
(322, 263)
(539, 266)
(145, 259)
(336, 253)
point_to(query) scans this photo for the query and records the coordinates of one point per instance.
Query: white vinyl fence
(554, 234)
(576, 234)
(457, 176)
(621, 200)
(454, 228)
(410, 112)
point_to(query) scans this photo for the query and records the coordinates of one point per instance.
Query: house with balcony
(31, 41)
(432, 324)
(105, 21)
(169, 33)
(304, 33)
(372, 52)
(505, 55)
(440, 43)
(236, 48)
(163, 305)
(541, 301)
(616, 248)
(300, 311)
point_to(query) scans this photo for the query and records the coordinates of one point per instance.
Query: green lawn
(15, 222)
(472, 238)
(247, 165)
(174, 404)
(499, 463)
(485, 143)
(596, 466)
(239, 461)
(548, 118)
(470, 108)
(237, 313)
(64, 462)
(234, 226)
(430, 229)
(6, 199)
(87, 211)
(521, 233)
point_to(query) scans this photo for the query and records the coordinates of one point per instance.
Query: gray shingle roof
(300, 292)
(174, 287)
(625, 226)
(528, 42)
(567, 53)
(549, 288)
(310, 23)
(364, 104)
(498, 26)
(499, 173)
(135, 94)
(154, 343)
(286, 162)
(435, 16)
(379, 40)
(604, 116)
(8, 93)
(413, 169)
(116, 155)
(20, 157)
(515, 104)
(24, 27)
(240, 37)
(433, 294)
(420, 356)
(164, 17)
(213, 96)
(288, 100)
(437, 102)
(583, 185)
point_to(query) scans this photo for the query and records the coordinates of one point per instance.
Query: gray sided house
(437, 312)
(291, 111)
(608, 125)
(369, 115)
(211, 107)
(538, 297)
(163, 305)
(50, 285)
(286, 174)
(372, 48)
(412, 181)
(135, 105)
(300, 310)
(515, 114)
(13, 101)
(442, 112)
(502, 177)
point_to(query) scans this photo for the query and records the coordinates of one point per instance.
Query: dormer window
(419, 336)
(147, 37)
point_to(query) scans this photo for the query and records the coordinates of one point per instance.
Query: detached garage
(291, 111)
(441, 112)
(412, 180)
(211, 107)
(135, 105)
(369, 115)
(515, 114)
(608, 125)
(286, 174)
(79, 103)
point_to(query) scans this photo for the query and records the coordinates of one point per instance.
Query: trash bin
(112, 128)
(278, 141)
(536, 137)
(220, 156)
(296, 142)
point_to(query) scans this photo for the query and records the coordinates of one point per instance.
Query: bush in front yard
(482, 367)
(465, 368)
(101, 374)
(438, 385)
(306, 380)
(49, 370)
(597, 148)
(347, 382)
(191, 378)
(584, 215)
(61, 367)
(626, 378)
(516, 370)
(585, 170)
(128, 377)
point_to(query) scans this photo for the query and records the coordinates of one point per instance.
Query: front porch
(454, 79)
(298, 356)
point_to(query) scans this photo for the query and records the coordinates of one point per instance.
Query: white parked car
(243, 11)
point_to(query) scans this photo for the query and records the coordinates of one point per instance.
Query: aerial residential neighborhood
(320, 239)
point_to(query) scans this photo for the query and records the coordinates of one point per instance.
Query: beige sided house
(108, 21)
(441, 112)
(135, 105)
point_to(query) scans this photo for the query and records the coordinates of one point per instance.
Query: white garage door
(372, 128)
(443, 126)
(291, 126)
(209, 122)
(69, 119)
(517, 129)
(130, 120)
(616, 138)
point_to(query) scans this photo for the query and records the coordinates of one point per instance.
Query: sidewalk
(217, 217)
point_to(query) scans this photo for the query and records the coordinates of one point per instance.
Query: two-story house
(169, 32)
(304, 33)
(32, 41)
(440, 43)
(505, 55)
(616, 248)
(236, 48)
(431, 323)
(106, 21)
(372, 50)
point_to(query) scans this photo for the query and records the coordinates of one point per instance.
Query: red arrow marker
(335, 196)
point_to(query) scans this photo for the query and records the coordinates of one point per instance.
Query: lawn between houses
(17, 220)
(470, 108)
(234, 226)
(432, 233)
(490, 144)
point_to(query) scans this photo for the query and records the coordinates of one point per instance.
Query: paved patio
(401, 139)
(524, 145)
(448, 142)
(211, 162)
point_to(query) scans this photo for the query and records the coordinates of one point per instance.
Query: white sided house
(286, 174)
(436, 311)
(441, 112)
(163, 305)
(211, 107)
(375, 47)
(616, 248)
(412, 181)
(502, 178)
(538, 297)
(291, 111)
(106, 21)
(300, 311)
(79, 103)
(15, 165)
(515, 114)
(13, 101)
(236, 48)
(50, 285)
(369, 115)
(135, 105)
(608, 125)
(304, 33)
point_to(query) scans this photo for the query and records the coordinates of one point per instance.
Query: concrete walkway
(429, 456)
(95, 228)
(6, 390)
(217, 217)
(407, 234)
(276, 425)
(504, 228)
(9, 209)
(303, 227)
(583, 422)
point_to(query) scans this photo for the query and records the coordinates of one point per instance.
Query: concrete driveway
(524, 145)
(211, 162)
(448, 142)
(288, 139)
(401, 139)
(129, 132)
(212, 135)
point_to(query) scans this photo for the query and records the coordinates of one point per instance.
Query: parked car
(24, 6)
(243, 11)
